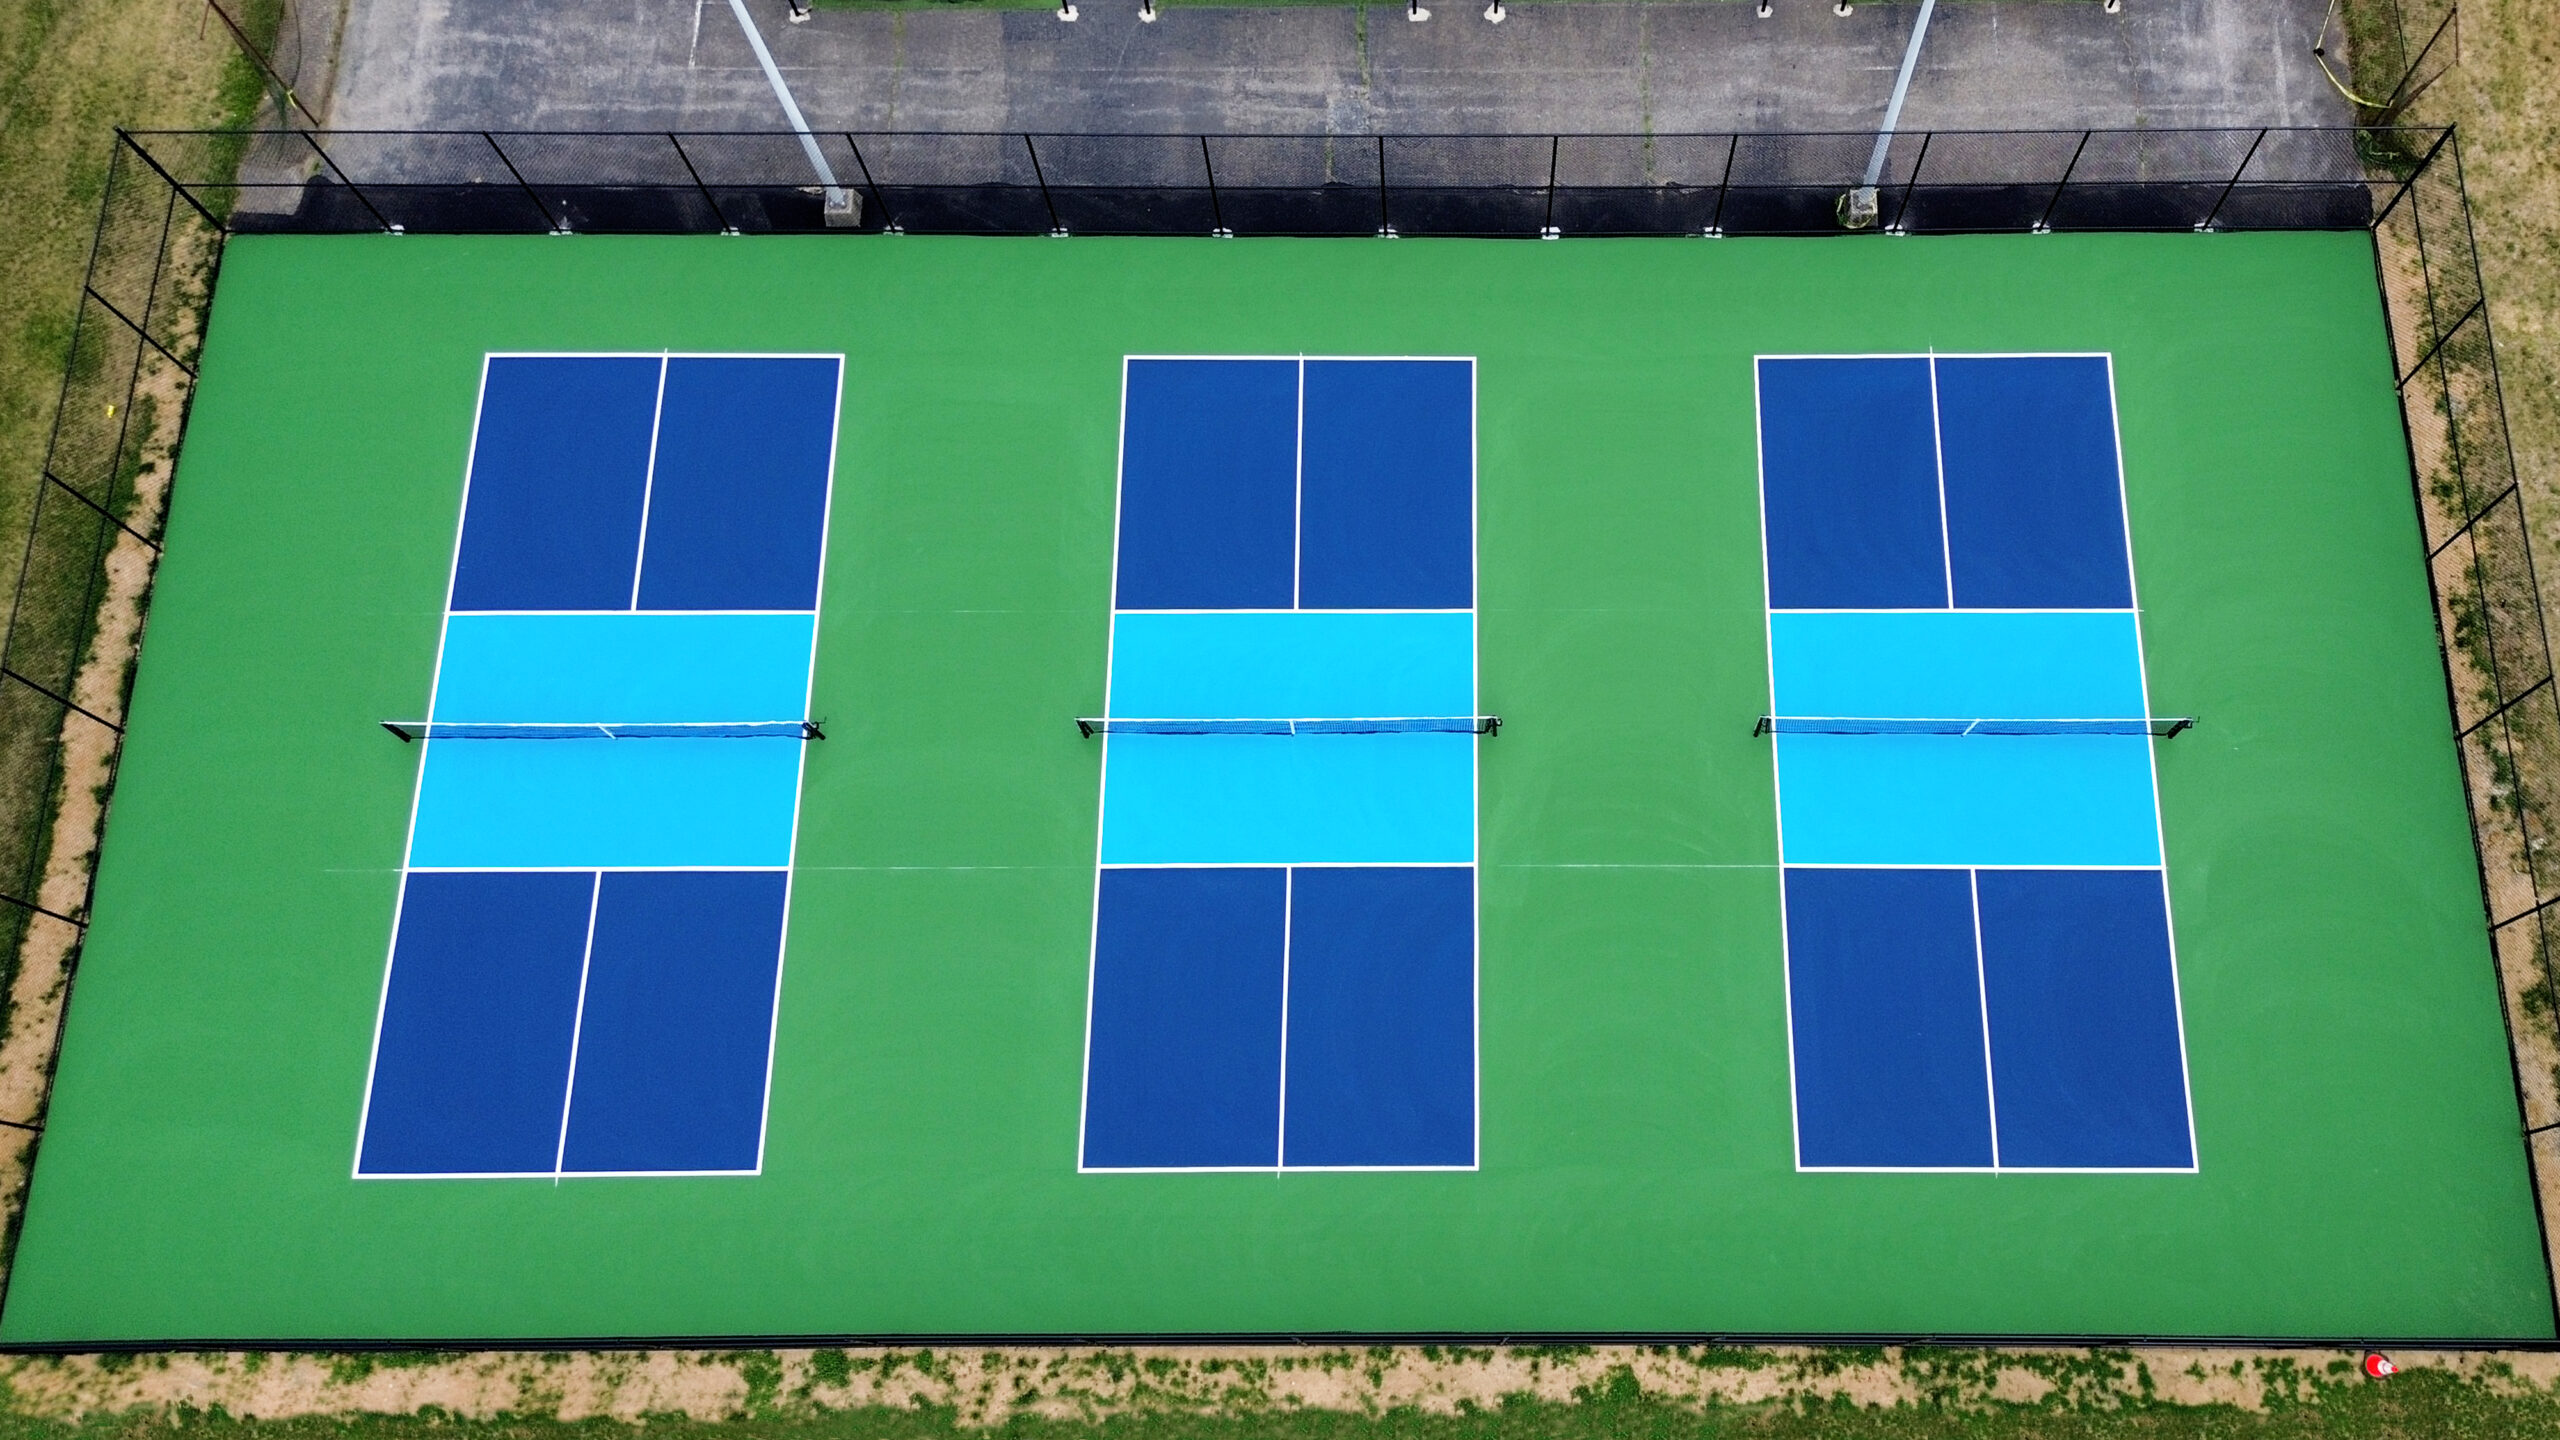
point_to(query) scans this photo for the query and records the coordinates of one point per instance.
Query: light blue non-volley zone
(1981, 970)
(586, 966)
(1279, 799)
(1956, 800)
(1284, 938)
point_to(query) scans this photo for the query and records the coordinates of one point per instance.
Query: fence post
(125, 138)
(2252, 153)
(707, 197)
(1385, 230)
(308, 138)
(888, 218)
(1902, 216)
(1548, 231)
(1217, 213)
(558, 227)
(1054, 227)
(1724, 182)
(2407, 185)
(2044, 222)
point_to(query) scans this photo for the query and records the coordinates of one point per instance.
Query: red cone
(2378, 1365)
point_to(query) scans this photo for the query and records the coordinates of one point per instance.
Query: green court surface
(2359, 1168)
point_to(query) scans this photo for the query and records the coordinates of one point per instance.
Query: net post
(397, 727)
(1763, 726)
(813, 730)
(2183, 722)
(1084, 728)
(1491, 727)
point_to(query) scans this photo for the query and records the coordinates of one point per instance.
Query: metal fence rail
(172, 197)
(1526, 186)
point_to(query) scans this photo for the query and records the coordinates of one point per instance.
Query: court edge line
(1996, 1169)
(835, 355)
(594, 869)
(1777, 786)
(1982, 1007)
(1475, 763)
(418, 787)
(1307, 865)
(1125, 360)
(1960, 610)
(1307, 610)
(1952, 864)
(555, 1176)
(649, 478)
(1931, 353)
(1467, 1169)
(2159, 820)
(1297, 499)
(1102, 765)
(1938, 457)
(1288, 921)
(577, 1028)
(800, 779)
(548, 613)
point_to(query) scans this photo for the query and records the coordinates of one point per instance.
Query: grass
(71, 72)
(2508, 112)
(1618, 1401)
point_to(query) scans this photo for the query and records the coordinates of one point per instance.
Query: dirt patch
(987, 1387)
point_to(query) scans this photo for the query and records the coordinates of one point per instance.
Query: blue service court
(586, 960)
(1284, 957)
(1980, 962)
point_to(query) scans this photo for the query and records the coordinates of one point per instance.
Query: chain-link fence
(75, 625)
(75, 618)
(990, 183)
(2489, 611)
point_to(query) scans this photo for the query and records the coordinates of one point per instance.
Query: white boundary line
(1946, 865)
(417, 789)
(1967, 609)
(547, 613)
(1938, 458)
(1982, 1008)
(1303, 355)
(800, 780)
(555, 1176)
(1308, 610)
(1288, 936)
(649, 480)
(1777, 793)
(452, 575)
(2151, 754)
(1289, 867)
(1298, 500)
(1102, 778)
(1475, 766)
(1309, 865)
(835, 355)
(594, 869)
(1929, 353)
(577, 1027)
